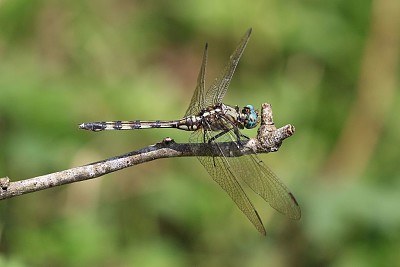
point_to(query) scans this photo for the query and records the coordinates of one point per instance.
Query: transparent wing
(222, 172)
(266, 184)
(218, 89)
(256, 174)
(197, 102)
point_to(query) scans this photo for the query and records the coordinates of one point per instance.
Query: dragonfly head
(251, 117)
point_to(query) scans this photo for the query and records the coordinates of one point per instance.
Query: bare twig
(268, 139)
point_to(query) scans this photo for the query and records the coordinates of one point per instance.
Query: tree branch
(268, 139)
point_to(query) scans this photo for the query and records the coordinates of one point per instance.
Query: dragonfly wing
(197, 102)
(256, 174)
(265, 183)
(222, 173)
(218, 89)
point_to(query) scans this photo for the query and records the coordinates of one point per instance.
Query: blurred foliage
(66, 62)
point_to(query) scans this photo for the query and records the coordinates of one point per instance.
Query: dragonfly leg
(215, 137)
(244, 136)
(238, 135)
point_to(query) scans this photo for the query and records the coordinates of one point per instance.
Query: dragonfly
(213, 122)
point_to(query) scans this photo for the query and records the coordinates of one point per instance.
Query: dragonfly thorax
(221, 117)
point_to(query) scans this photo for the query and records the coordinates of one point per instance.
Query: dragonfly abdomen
(187, 124)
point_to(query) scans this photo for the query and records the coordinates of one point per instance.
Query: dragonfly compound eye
(252, 117)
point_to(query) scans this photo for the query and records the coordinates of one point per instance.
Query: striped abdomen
(188, 124)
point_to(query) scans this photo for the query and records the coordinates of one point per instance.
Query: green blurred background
(328, 67)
